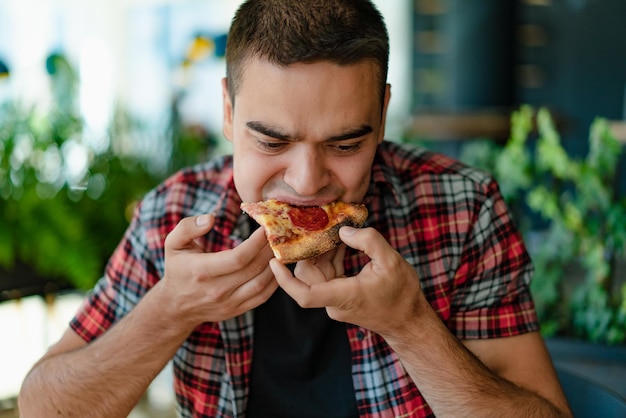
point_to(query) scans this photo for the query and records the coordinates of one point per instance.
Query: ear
(383, 121)
(227, 126)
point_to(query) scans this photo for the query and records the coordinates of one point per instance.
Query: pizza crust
(308, 246)
(291, 243)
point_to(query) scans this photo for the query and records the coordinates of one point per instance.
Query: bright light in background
(30, 29)
(398, 17)
(30, 326)
(97, 90)
(76, 154)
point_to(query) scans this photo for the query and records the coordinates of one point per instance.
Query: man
(424, 312)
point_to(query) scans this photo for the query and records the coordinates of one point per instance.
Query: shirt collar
(230, 220)
(383, 181)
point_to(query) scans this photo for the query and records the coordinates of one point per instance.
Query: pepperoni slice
(312, 218)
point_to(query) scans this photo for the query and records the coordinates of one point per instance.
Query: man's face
(305, 134)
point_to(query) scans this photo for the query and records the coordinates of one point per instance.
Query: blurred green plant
(64, 204)
(585, 231)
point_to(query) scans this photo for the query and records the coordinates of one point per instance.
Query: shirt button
(360, 335)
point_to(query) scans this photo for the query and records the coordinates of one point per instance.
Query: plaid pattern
(446, 219)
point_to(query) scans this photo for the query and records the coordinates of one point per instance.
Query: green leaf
(585, 229)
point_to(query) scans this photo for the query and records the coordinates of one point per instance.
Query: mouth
(302, 202)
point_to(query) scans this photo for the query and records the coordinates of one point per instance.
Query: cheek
(355, 178)
(251, 175)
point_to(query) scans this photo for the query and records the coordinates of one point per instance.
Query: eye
(344, 148)
(270, 146)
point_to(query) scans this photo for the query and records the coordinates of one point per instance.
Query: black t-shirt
(301, 363)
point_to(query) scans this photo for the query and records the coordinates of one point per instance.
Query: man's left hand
(382, 297)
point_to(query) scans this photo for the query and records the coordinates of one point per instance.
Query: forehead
(314, 86)
(256, 67)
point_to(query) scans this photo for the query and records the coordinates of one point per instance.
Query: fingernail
(203, 220)
(347, 230)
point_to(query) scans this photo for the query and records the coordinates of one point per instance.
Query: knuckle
(258, 268)
(370, 233)
(215, 294)
(236, 260)
(195, 271)
(305, 302)
(395, 262)
(168, 240)
(257, 286)
(335, 315)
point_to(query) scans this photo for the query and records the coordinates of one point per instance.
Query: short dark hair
(285, 32)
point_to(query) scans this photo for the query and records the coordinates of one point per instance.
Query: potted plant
(574, 224)
(64, 204)
(578, 290)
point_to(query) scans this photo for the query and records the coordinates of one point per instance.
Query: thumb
(368, 240)
(349, 235)
(204, 220)
(188, 229)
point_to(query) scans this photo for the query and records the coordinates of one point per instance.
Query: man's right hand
(209, 287)
(73, 377)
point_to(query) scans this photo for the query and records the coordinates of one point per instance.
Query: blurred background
(102, 100)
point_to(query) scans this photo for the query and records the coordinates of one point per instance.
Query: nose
(308, 171)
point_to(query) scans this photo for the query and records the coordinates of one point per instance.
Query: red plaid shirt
(447, 220)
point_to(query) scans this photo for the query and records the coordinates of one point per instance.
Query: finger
(318, 295)
(188, 229)
(330, 263)
(256, 291)
(312, 271)
(368, 240)
(338, 261)
(252, 254)
(255, 244)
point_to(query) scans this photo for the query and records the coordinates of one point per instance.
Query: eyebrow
(266, 130)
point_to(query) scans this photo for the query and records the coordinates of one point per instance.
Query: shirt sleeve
(129, 274)
(491, 296)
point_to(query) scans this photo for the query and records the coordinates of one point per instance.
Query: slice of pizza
(299, 232)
